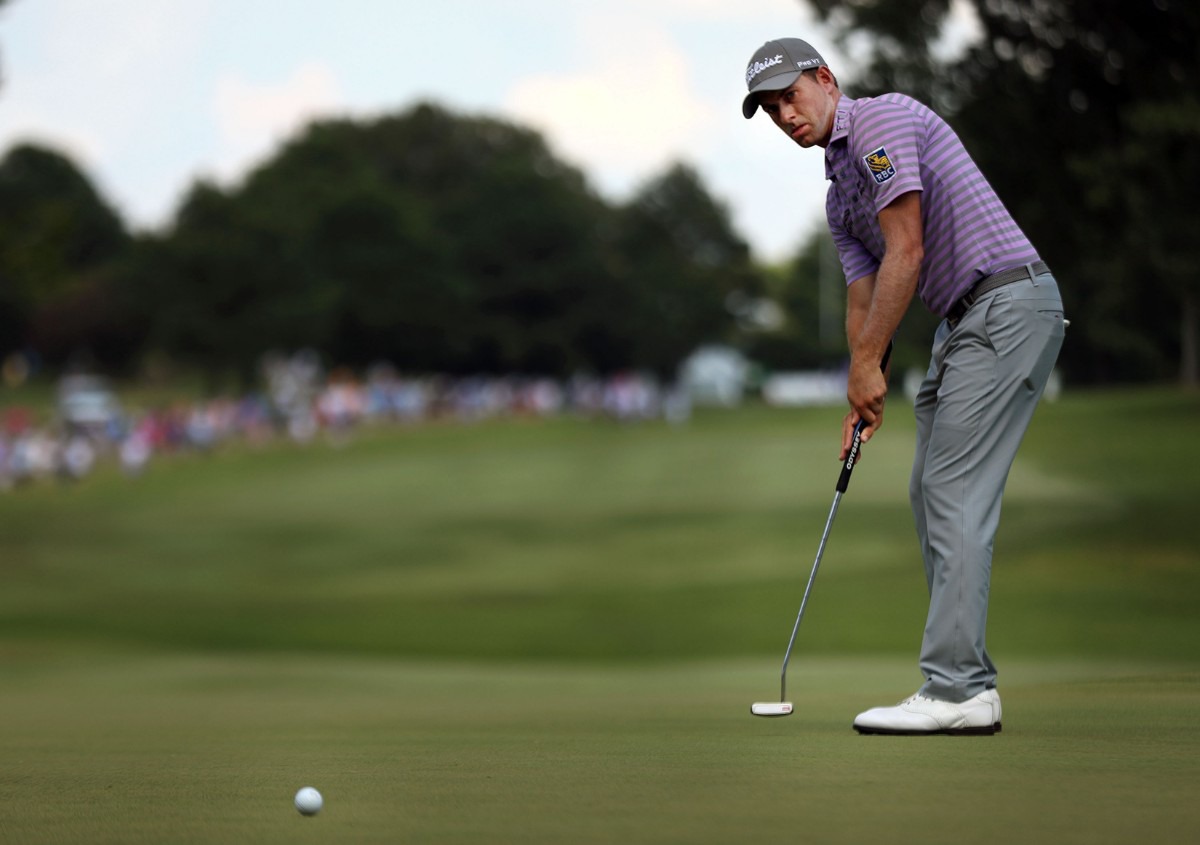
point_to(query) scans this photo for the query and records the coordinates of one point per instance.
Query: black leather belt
(990, 283)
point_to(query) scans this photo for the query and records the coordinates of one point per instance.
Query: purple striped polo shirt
(883, 147)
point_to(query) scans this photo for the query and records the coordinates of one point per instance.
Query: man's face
(805, 110)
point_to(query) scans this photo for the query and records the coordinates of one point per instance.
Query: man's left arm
(895, 284)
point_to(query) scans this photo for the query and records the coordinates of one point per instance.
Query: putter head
(771, 708)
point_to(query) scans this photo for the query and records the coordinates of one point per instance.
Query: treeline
(434, 241)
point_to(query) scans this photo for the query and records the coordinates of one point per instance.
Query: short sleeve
(886, 142)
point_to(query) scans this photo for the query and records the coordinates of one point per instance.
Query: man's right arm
(858, 305)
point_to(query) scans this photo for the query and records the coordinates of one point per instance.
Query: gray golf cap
(775, 66)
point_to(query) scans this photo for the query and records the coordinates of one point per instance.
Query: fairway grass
(530, 539)
(113, 749)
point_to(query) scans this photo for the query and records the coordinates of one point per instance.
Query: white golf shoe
(920, 715)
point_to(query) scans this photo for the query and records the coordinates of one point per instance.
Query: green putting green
(109, 749)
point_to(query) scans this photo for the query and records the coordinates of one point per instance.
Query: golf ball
(309, 801)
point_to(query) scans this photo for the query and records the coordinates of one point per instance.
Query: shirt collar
(841, 129)
(841, 120)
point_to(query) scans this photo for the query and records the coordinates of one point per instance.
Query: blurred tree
(1061, 103)
(524, 227)
(433, 241)
(680, 265)
(58, 243)
(440, 242)
(221, 288)
(1153, 235)
(380, 262)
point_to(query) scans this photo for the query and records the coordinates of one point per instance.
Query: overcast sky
(149, 95)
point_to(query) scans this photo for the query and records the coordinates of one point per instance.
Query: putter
(783, 707)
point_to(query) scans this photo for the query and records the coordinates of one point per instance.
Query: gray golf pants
(985, 378)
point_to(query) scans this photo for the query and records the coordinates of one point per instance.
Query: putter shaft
(837, 499)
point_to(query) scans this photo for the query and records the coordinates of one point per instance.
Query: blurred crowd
(300, 403)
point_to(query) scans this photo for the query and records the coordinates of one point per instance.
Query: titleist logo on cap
(756, 68)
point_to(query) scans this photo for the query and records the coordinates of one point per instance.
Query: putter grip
(856, 441)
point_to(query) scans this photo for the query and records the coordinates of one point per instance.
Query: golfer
(911, 213)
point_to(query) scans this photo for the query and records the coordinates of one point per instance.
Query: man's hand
(869, 409)
(866, 390)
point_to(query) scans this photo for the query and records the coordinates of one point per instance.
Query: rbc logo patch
(880, 165)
